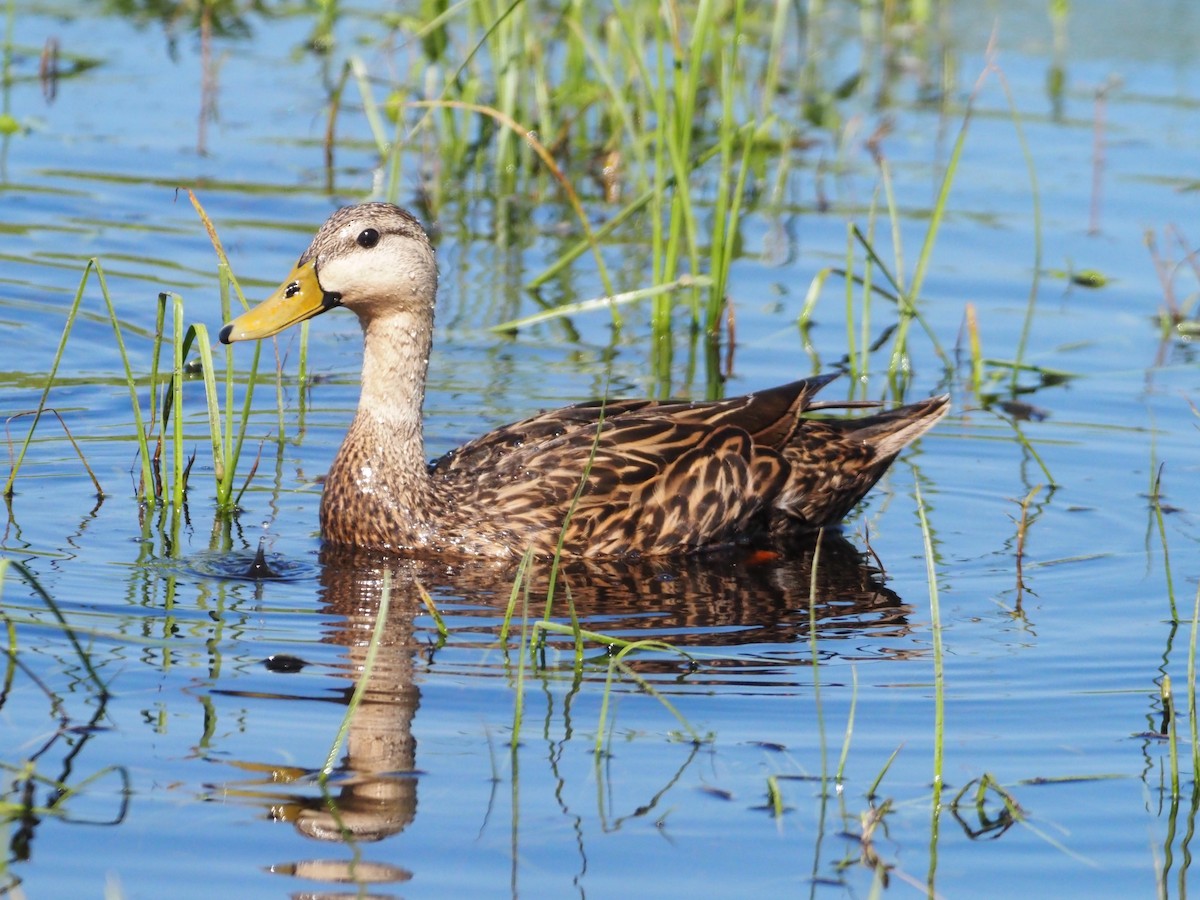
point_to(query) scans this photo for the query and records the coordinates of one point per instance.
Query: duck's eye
(368, 238)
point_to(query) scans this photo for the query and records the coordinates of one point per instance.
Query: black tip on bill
(224, 335)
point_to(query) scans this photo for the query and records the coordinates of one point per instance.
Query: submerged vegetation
(631, 156)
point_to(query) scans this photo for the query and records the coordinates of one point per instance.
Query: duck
(615, 478)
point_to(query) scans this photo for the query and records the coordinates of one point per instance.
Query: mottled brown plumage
(656, 478)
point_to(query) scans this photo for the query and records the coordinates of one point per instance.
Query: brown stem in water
(1022, 530)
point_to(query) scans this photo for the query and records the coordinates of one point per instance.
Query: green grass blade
(199, 334)
(939, 685)
(684, 282)
(143, 447)
(176, 410)
(58, 357)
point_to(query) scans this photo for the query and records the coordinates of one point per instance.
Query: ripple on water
(244, 566)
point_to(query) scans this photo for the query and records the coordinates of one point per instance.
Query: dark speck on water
(769, 745)
(1024, 412)
(281, 662)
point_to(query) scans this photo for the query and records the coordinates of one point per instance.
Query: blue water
(225, 695)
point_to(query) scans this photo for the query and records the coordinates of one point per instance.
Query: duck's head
(374, 259)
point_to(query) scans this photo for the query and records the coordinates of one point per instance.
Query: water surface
(195, 772)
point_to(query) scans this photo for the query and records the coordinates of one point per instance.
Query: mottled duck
(661, 477)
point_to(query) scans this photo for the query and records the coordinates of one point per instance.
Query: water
(196, 771)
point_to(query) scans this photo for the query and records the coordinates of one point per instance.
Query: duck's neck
(395, 362)
(378, 493)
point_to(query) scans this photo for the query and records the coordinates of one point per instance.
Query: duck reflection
(707, 604)
(717, 600)
(377, 788)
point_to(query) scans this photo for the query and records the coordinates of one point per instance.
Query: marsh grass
(1023, 524)
(1178, 315)
(618, 666)
(1170, 707)
(939, 686)
(1156, 506)
(1193, 725)
(228, 434)
(813, 633)
(877, 278)
(832, 785)
(634, 97)
(531, 650)
(439, 621)
(161, 426)
(151, 479)
(1036, 214)
(167, 483)
(520, 591)
(72, 314)
(62, 423)
(1167, 697)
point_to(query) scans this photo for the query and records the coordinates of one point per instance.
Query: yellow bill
(300, 297)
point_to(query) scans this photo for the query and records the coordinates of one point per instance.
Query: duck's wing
(650, 485)
(660, 477)
(832, 463)
(770, 417)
